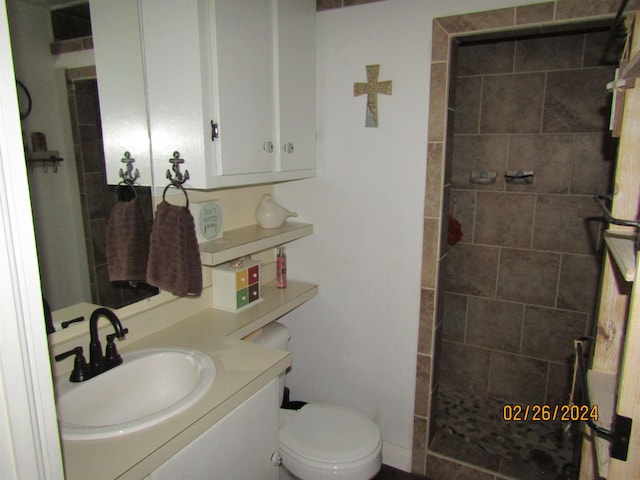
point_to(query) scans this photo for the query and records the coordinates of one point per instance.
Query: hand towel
(127, 242)
(174, 257)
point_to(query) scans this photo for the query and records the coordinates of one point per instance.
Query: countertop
(242, 368)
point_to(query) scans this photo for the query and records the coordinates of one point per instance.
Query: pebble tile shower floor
(472, 429)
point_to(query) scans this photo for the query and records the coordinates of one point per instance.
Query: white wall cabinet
(238, 447)
(245, 66)
(121, 86)
(296, 87)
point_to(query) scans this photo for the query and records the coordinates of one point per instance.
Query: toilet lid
(328, 433)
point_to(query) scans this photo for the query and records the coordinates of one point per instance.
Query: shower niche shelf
(623, 249)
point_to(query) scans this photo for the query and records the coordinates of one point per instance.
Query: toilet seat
(322, 441)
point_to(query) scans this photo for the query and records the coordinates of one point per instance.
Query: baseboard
(396, 457)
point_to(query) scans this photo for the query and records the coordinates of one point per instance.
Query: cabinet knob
(268, 147)
(214, 131)
(288, 147)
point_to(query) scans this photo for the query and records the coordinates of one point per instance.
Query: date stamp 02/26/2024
(549, 413)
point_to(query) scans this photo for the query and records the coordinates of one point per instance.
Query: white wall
(356, 343)
(55, 197)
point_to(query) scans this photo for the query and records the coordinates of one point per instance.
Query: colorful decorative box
(236, 285)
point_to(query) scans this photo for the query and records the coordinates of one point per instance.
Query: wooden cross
(372, 88)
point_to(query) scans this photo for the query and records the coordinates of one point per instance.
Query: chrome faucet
(98, 363)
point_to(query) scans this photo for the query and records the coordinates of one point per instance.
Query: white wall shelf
(243, 241)
(622, 247)
(275, 303)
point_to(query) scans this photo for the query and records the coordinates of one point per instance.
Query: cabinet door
(175, 36)
(238, 447)
(121, 86)
(244, 76)
(296, 85)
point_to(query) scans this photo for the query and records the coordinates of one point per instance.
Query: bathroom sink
(149, 387)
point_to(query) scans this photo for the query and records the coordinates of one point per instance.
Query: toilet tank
(275, 335)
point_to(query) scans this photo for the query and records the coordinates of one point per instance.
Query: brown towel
(174, 256)
(127, 243)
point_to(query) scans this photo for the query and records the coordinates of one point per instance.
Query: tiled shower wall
(522, 283)
(447, 32)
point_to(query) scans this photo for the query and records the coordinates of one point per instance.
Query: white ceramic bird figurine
(271, 215)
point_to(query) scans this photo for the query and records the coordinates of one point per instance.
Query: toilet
(321, 441)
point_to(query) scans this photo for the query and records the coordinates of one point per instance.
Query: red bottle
(281, 268)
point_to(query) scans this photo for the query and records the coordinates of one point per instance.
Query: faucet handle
(111, 354)
(80, 368)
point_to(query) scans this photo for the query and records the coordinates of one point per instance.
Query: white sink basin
(150, 386)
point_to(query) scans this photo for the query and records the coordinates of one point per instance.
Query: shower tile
(577, 101)
(586, 8)
(92, 152)
(444, 231)
(599, 52)
(486, 58)
(528, 277)
(524, 468)
(440, 467)
(579, 282)
(437, 355)
(423, 385)
(462, 206)
(549, 334)
(425, 331)
(454, 318)
(559, 383)
(437, 102)
(430, 252)
(467, 107)
(433, 187)
(464, 367)
(471, 269)
(494, 324)
(99, 239)
(98, 198)
(517, 379)
(504, 219)
(534, 13)
(328, 4)
(419, 450)
(349, 3)
(478, 152)
(543, 53)
(478, 21)
(594, 155)
(458, 445)
(549, 156)
(440, 44)
(568, 224)
(512, 103)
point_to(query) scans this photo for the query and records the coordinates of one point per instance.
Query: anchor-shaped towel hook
(180, 178)
(129, 175)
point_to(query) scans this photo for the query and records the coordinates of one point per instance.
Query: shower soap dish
(520, 177)
(483, 177)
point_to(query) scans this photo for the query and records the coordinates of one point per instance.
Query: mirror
(70, 199)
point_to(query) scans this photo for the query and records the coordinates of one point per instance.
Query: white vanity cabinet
(238, 447)
(121, 87)
(225, 89)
